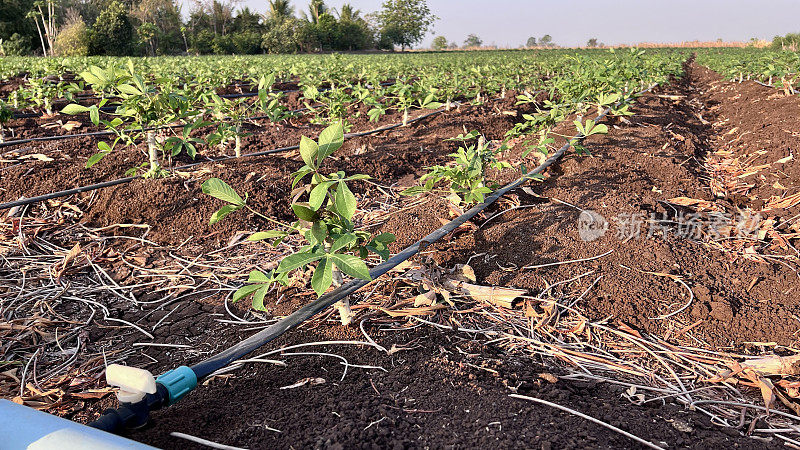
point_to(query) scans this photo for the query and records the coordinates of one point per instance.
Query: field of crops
(549, 248)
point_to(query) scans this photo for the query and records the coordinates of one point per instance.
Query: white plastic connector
(133, 383)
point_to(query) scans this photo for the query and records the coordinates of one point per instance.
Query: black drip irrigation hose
(105, 184)
(109, 133)
(115, 420)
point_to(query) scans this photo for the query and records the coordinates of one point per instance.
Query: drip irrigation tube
(176, 383)
(105, 184)
(108, 133)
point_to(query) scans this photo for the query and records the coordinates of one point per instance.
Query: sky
(509, 23)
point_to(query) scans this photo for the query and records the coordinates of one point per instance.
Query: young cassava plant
(466, 175)
(143, 109)
(324, 206)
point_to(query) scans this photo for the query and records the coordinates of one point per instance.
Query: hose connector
(178, 381)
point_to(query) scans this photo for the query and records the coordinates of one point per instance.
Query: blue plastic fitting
(179, 382)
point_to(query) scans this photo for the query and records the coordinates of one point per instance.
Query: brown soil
(760, 126)
(634, 170)
(449, 393)
(183, 211)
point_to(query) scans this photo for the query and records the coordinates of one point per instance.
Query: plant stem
(343, 305)
(270, 219)
(152, 153)
(405, 117)
(345, 313)
(238, 148)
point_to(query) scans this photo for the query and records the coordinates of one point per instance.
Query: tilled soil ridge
(630, 180)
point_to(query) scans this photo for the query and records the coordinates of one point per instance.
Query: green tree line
(158, 27)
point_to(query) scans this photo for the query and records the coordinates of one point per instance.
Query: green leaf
(128, 89)
(271, 234)
(330, 140)
(319, 231)
(104, 147)
(385, 238)
(343, 242)
(323, 277)
(94, 115)
(304, 212)
(300, 174)
(358, 177)
(94, 159)
(72, 109)
(351, 265)
(318, 195)
(221, 213)
(308, 151)
(244, 291)
(345, 201)
(221, 190)
(298, 260)
(257, 276)
(258, 298)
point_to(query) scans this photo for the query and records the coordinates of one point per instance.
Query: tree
(349, 14)
(11, 13)
(159, 26)
(44, 15)
(353, 30)
(112, 34)
(279, 9)
(439, 43)
(217, 14)
(315, 10)
(546, 40)
(147, 34)
(16, 45)
(592, 43)
(473, 41)
(327, 30)
(531, 42)
(246, 20)
(405, 22)
(282, 36)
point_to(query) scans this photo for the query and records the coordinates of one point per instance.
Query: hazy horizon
(509, 23)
